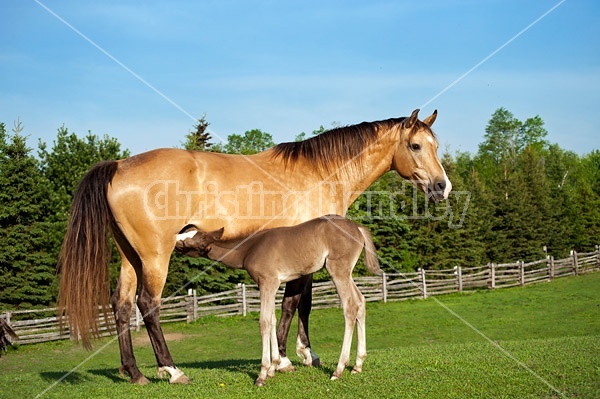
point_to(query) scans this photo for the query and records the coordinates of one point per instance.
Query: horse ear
(411, 120)
(430, 119)
(217, 234)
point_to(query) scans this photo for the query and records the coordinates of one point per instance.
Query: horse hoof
(182, 379)
(334, 378)
(140, 381)
(316, 362)
(285, 365)
(356, 370)
(287, 369)
(260, 382)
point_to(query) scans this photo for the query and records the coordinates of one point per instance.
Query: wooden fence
(41, 325)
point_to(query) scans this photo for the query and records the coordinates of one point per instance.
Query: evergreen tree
(70, 158)
(199, 138)
(28, 248)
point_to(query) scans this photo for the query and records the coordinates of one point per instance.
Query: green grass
(522, 342)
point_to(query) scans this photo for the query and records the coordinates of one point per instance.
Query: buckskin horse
(283, 254)
(146, 200)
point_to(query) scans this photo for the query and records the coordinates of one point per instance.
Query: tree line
(519, 197)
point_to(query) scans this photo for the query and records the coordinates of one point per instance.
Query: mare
(146, 200)
(286, 253)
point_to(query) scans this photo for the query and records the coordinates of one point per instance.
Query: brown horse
(146, 200)
(286, 253)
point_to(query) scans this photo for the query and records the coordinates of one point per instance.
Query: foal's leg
(153, 280)
(343, 283)
(361, 336)
(268, 289)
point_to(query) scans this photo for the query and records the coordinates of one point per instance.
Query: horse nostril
(440, 186)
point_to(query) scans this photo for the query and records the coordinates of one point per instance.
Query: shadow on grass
(65, 377)
(250, 367)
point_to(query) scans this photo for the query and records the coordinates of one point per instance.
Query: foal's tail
(370, 252)
(85, 255)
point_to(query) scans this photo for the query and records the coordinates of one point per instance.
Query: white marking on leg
(303, 352)
(174, 372)
(285, 364)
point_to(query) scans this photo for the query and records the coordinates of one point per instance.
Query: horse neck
(374, 161)
(230, 252)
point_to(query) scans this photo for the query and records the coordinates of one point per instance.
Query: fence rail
(41, 325)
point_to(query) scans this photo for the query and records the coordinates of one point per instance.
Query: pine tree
(28, 249)
(199, 138)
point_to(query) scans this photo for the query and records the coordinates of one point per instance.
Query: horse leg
(343, 284)
(289, 304)
(275, 358)
(303, 348)
(268, 289)
(153, 281)
(122, 303)
(361, 337)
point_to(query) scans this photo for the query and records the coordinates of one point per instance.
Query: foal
(287, 253)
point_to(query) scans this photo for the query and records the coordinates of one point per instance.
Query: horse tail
(371, 260)
(85, 255)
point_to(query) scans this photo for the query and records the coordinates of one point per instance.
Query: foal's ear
(409, 122)
(217, 234)
(430, 119)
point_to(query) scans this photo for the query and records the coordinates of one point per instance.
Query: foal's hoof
(356, 370)
(285, 365)
(260, 382)
(287, 369)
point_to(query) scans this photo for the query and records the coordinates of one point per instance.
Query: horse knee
(149, 307)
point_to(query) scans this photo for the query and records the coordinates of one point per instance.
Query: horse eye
(415, 147)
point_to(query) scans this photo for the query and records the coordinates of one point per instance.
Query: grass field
(542, 341)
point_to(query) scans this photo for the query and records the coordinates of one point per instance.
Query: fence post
(244, 304)
(7, 318)
(492, 282)
(458, 273)
(574, 262)
(597, 256)
(550, 260)
(521, 266)
(423, 282)
(195, 304)
(384, 287)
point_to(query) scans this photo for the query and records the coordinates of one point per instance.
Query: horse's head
(416, 157)
(197, 243)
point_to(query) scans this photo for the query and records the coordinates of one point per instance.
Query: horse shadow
(250, 367)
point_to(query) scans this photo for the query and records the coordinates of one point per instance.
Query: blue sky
(286, 67)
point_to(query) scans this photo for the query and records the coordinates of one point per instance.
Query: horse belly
(295, 269)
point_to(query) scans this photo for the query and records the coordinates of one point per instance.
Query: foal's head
(198, 244)
(416, 157)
